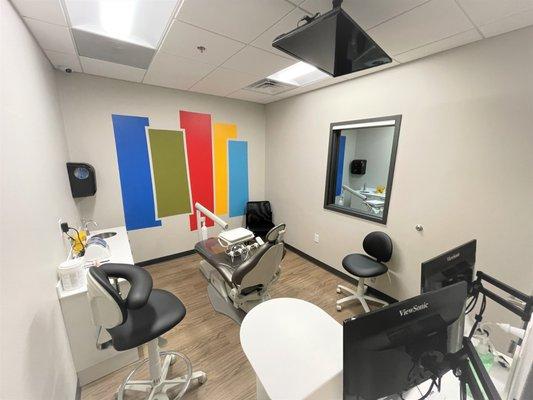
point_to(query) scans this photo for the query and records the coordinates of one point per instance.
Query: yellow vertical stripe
(222, 133)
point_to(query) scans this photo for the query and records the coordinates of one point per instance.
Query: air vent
(269, 86)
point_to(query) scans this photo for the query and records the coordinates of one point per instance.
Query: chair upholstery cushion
(162, 312)
(363, 266)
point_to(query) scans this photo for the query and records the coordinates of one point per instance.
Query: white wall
(464, 166)
(375, 146)
(35, 355)
(87, 104)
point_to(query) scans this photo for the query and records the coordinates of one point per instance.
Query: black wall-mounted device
(358, 167)
(82, 179)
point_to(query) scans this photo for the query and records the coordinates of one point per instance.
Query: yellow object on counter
(79, 241)
(380, 189)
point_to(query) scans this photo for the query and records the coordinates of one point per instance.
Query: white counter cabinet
(90, 362)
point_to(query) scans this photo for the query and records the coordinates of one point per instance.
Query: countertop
(120, 249)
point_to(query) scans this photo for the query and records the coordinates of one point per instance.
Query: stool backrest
(378, 245)
(107, 307)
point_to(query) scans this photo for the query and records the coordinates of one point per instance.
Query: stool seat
(363, 266)
(162, 312)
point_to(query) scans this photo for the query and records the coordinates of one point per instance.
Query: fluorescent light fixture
(365, 125)
(117, 18)
(299, 74)
(139, 22)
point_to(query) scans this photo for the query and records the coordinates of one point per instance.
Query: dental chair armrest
(139, 279)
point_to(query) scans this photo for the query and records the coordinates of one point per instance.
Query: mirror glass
(361, 166)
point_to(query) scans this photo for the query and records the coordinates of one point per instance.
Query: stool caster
(339, 308)
(202, 377)
(339, 290)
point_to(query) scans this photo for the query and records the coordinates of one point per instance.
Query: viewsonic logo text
(419, 307)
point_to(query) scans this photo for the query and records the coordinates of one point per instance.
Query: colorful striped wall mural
(221, 135)
(200, 157)
(164, 172)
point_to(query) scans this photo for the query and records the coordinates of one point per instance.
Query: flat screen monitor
(395, 348)
(448, 268)
(333, 43)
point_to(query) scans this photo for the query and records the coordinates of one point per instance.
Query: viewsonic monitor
(455, 265)
(393, 349)
(333, 43)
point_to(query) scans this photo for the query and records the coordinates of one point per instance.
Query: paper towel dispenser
(82, 179)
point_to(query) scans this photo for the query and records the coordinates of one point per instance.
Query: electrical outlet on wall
(317, 238)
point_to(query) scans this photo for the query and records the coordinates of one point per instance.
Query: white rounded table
(295, 349)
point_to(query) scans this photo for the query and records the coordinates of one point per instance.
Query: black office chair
(259, 217)
(377, 245)
(140, 318)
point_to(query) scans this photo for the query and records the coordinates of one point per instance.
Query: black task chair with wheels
(140, 318)
(259, 217)
(377, 245)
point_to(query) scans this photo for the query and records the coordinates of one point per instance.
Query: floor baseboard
(165, 258)
(374, 292)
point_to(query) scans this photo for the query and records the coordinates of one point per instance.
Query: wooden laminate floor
(211, 340)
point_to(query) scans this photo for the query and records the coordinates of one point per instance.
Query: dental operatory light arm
(354, 192)
(202, 230)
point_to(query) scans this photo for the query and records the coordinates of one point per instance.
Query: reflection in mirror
(361, 167)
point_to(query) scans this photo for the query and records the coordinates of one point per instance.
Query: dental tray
(235, 236)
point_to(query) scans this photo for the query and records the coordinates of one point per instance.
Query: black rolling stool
(141, 318)
(377, 245)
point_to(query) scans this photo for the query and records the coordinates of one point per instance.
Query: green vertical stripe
(170, 172)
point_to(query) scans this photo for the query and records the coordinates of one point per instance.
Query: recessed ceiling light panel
(139, 22)
(299, 74)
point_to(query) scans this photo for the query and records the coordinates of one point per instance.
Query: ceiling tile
(242, 20)
(111, 70)
(436, 47)
(64, 60)
(248, 95)
(183, 40)
(366, 13)
(176, 72)
(43, 10)
(487, 11)
(287, 24)
(510, 23)
(51, 37)
(257, 62)
(433, 21)
(223, 81)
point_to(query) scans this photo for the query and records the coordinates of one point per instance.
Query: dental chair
(140, 318)
(243, 283)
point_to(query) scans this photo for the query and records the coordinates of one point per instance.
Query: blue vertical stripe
(238, 177)
(340, 165)
(134, 170)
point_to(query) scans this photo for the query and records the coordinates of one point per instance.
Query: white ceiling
(237, 35)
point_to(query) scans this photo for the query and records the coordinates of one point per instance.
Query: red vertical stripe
(200, 158)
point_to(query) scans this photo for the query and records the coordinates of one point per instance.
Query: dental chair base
(241, 300)
(359, 294)
(159, 384)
